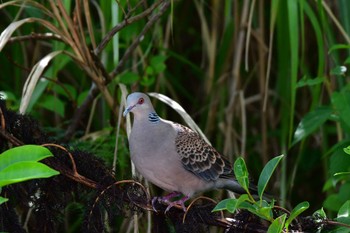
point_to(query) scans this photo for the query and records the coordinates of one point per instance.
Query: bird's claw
(166, 200)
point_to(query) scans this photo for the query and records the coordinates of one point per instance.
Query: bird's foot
(167, 199)
(178, 202)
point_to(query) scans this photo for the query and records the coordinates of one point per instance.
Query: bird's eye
(141, 100)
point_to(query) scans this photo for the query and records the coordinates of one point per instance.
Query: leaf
(338, 70)
(231, 204)
(157, 62)
(339, 46)
(347, 150)
(3, 200)
(241, 173)
(277, 224)
(23, 153)
(7, 33)
(310, 81)
(332, 202)
(23, 171)
(341, 102)
(267, 173)
(344, 211)
(311, 121)
(33, 78)
(301, 207)
(129, 78)
(53, 104)
(319, 214)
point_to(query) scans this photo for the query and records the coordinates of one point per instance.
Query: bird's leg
(178, 202)
(166, 199)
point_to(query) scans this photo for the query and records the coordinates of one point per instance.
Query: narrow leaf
(3, 199)
(267, 173)
(23, 153)
(33, 78)
(7, 33)
(312, 121)
(23, 171)
(301, 207)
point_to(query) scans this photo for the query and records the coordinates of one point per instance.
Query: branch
(122, 25)
(94, 91)
(136, 42)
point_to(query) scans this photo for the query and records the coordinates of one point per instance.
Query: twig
(137, 41)
(123, 24)
(94, 91)
(35, 36)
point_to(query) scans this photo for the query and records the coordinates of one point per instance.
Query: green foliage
(22, 163)
(258, 78)
(260, 208)
(266, 174)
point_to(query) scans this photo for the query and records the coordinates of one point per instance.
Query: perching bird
(173, 157)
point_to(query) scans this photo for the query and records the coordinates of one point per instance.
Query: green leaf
(332, 202)
(341, 102)
(339, 46)
(267, 173)
(241, 173)
(310, 81)
(265, 212)
(347, 150)
(338, 70)
(277, 224)
(82, 96)
(66, 90)
(53, 104)
(3, 200)
(341, 173)
(320, 214)
(147, 80)
(23, 153)
(301, 207)
(344, 211)
(23, 171)
(231, 204)
(157, 62)
(347, 61)
(312, 121)
(129, 78)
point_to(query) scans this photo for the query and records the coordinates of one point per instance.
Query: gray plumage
(172, 156)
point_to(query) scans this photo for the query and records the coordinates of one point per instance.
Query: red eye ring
(141, 101)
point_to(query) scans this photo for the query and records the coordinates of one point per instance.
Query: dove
(174, 157)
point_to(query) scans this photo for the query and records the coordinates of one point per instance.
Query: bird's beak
(127, 110)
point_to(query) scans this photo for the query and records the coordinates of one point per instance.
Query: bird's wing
(199, 157)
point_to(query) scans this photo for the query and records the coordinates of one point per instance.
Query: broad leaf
(277, 225)
(231, 204)
(341, 101)
(241, 173)
(23, 153)
(23, 171)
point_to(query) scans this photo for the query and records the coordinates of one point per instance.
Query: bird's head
(138, 102)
